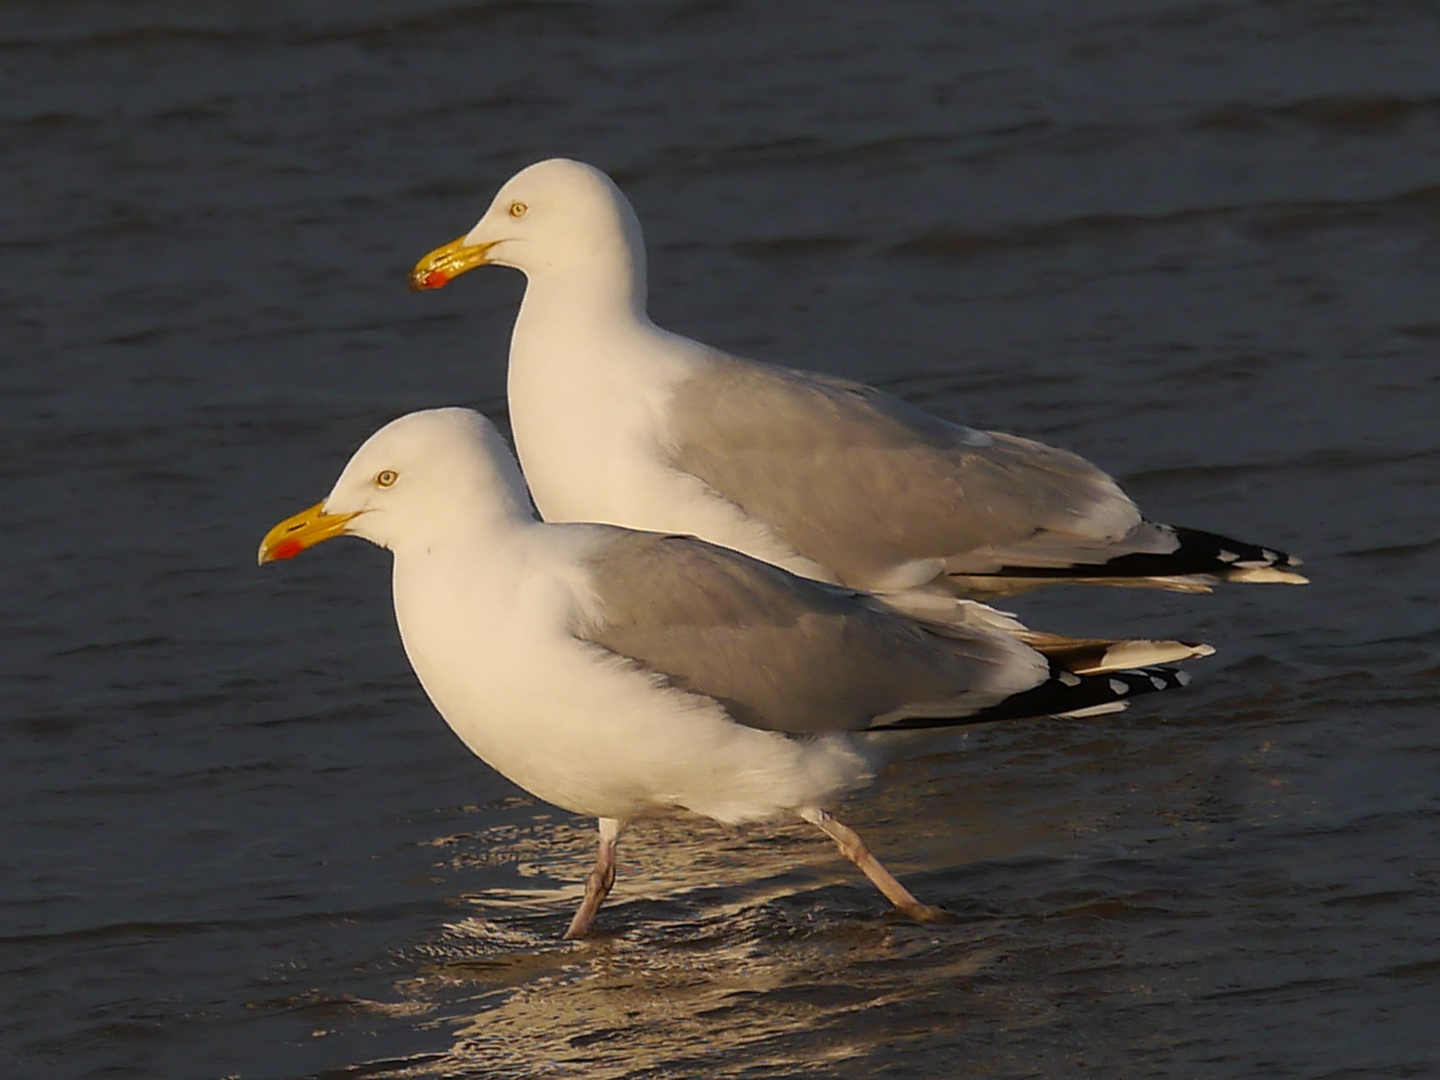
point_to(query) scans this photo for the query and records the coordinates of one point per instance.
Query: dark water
(1197, 242)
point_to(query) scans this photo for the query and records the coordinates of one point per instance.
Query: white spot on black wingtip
(1068, 678)
(1119, 687)
(1226, 556)
(1269, 555)
(1158, 683)
(1183, 678)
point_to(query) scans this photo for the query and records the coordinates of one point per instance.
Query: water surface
(1197, 242)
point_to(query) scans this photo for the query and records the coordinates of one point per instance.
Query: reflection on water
(728, 952)
(741, 951)
(779, 987)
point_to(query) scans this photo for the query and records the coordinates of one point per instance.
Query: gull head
(419, 478)
(554, 216)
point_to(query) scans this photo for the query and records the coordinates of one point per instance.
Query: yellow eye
(386, 477)
(517, 209)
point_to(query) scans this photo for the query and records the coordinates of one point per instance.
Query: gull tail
(1209, 555)
(1160, 557)
(1064, 694)
(1098, 656)
(947, 615)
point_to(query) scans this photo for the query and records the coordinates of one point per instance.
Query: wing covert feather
(781, 652)
(862, 482)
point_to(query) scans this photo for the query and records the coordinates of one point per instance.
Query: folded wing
(869, 485)
(786, 654)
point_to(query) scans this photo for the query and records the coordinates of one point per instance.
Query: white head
(419, 478)
(554, 217)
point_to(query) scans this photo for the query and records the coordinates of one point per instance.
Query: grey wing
(862, 482)
(781, 652)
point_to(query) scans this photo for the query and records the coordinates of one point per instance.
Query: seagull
(616, 420)
(622, 674)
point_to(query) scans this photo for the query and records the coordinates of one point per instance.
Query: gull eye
(385, 477)
(517, 209)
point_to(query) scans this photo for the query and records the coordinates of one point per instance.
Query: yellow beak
(436, 270)
(305, 529)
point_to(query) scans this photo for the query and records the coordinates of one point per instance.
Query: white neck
(455, 578)
(590, 377)
(563, 308)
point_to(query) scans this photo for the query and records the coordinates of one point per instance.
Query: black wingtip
(1197, 553)
(1064, 692)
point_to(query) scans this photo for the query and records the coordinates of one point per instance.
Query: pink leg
(600, 879)
(854, 849)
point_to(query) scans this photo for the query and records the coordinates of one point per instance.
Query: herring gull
(616, 420)
(623, 674)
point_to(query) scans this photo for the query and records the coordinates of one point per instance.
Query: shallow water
(1197, 242)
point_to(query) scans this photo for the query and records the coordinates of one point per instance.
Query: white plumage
(617, 420)
(624, 674)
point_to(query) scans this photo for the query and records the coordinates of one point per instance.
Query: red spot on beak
(286, 549)
(436, 279)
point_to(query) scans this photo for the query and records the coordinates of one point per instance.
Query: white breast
(591, 430)
(579, 727)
